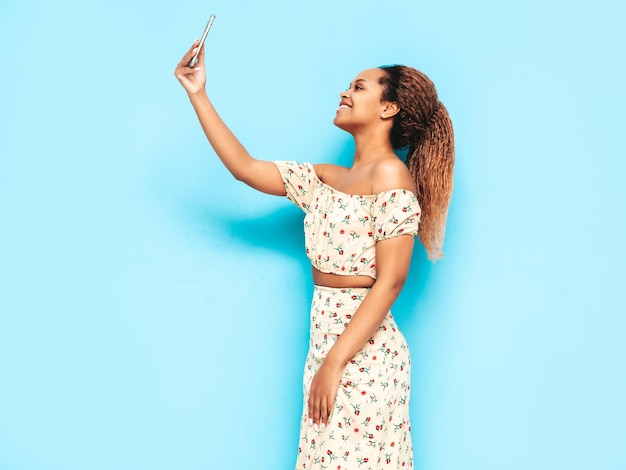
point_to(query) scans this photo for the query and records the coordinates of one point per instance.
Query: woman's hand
(192, 79)
(323, 392)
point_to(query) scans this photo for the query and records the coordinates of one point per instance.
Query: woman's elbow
(392, 284)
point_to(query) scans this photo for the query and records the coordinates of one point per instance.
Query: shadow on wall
(415, 288)
(281, 231)
(278, 230)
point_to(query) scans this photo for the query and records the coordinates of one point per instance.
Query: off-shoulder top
(341, 230)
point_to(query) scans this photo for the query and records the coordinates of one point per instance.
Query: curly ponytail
(424, 127)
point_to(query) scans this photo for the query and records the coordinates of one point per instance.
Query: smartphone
(194, 60)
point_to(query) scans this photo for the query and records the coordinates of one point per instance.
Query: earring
(382, 115)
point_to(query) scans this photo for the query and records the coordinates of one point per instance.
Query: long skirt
(369, 424)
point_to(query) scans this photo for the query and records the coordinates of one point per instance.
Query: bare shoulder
(391, 173)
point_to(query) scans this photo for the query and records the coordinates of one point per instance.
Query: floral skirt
(369, 424)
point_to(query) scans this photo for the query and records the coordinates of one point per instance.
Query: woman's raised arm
(259, 174)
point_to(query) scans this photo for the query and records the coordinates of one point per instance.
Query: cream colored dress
(369, 424)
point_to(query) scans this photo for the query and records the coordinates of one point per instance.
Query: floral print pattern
(368, 428)
(369, 425)
(341, 230)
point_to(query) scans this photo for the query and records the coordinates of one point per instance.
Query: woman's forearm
(258, 174)
(365, 322)
(227, 147)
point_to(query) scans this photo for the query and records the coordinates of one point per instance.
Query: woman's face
(361, 104)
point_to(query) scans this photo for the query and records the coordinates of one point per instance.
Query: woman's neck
(371, 148)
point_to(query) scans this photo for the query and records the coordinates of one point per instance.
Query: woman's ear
(391, 108)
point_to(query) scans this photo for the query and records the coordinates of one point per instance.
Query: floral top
(341, 230)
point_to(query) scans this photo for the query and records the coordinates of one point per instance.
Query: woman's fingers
(201, 56)
(322, 395)
(324, 412)
(190, 53)
(319, 411)
(314, 411)
(183, 65)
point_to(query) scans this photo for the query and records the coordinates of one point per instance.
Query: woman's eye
(358, 87)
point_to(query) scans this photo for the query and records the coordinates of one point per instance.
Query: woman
(360, 224)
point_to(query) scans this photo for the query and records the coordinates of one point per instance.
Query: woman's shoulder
(391, 173)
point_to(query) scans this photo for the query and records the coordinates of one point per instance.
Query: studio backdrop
(154, 311)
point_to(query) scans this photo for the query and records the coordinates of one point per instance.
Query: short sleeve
(298, 179)
(394, 213)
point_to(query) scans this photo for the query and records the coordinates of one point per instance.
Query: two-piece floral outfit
(368, 427)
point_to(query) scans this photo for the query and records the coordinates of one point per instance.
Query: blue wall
(153, 311)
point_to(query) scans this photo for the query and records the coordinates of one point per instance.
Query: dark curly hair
(424, 128)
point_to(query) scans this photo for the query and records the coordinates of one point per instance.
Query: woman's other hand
(323, 393)
(192, 79)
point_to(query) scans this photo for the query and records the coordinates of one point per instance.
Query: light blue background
(153, 311)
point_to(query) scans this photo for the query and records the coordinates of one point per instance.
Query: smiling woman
(359, 225)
